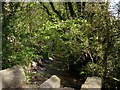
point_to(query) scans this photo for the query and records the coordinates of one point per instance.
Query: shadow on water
(56, 67)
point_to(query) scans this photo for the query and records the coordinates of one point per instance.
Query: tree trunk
(72, 13)
(57, 12)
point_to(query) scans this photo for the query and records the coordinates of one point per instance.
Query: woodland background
(85, 36)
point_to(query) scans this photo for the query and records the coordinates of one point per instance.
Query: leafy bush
(93, 69)
(67, 39)
(87, 46)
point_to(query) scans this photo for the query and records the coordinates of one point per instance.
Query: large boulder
(52, 82)
(12, 77)
(92, 83)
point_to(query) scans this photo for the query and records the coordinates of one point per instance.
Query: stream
(54, 67)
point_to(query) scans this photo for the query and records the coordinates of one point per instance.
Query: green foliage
(65, 38)
(84, 36)
(93, 69)
(16, 38)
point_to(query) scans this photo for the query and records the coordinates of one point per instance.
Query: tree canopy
(83, 35)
